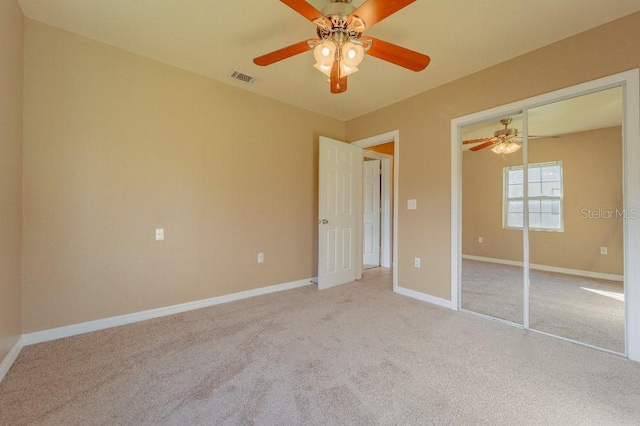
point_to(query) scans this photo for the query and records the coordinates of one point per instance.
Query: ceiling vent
(237, 75)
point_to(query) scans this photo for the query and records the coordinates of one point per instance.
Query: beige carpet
(356, 354)
(583, 309)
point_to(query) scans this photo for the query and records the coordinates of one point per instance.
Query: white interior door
(371, 213)
(340, 212)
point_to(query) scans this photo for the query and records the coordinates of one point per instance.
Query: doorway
(340, 220)
(533, 216)
(378, 206)
(371, 212)
(385, 147)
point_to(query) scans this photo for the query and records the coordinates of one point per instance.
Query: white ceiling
(214, 37)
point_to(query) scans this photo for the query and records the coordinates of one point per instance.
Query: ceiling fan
(504, 141)
(340, 46)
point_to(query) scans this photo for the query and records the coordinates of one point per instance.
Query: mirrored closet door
(576, 219)
(492, 217)
(542, 219)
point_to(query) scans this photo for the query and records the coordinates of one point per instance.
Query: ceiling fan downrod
(503, 133)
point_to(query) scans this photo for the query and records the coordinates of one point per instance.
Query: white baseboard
(423, 297)
(576, 272)
(8, 360)
(88, 327)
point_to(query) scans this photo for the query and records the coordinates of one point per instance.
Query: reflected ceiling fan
(340, 46)
(504, 141)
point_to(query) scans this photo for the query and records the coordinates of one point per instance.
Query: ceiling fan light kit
(506, 148)
(504, 141)
(348, 54)
(340, 48)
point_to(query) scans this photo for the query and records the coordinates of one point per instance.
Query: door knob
(324, 221)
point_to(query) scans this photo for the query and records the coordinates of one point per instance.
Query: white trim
(378, 139)
(629, 81)
(456, 214)
(10, 358)
(631, 191)
(615, 80)
(376, 155)
(393, 136)
(577, 342)
(526, 293)
(566, 271)
(490, 318)
(387, 213)
(101, 324)
(423, 297)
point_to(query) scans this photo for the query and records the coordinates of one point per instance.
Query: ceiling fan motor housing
(505, 132)
(338, 26)
(338, 7)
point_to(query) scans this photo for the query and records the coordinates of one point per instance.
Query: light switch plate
(412, 204)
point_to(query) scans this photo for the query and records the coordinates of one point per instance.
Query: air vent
(237, 75)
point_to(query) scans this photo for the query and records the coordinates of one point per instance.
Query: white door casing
(389, 218)
(339, 212)
(371, 213)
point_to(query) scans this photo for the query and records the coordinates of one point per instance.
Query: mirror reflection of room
(575, 218)
(490, 288)
(576, 278)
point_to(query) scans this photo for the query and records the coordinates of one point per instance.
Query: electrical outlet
(159, 234)
(260, 257)
(416, 262)
(604, 250)
(480, 240)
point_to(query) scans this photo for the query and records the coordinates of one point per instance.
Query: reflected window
(545, 197)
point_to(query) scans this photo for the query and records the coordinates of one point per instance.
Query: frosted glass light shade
(325, 69)
(325, 52)
(346, 70)
(506, 148)
(352, 54)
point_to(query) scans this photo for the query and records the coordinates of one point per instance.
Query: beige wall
(424, 123)
(592, 179)
(117, 145)
(11, 48)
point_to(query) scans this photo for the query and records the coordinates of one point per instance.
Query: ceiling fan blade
(338, 85)
(397, 55)
(284, 53)
(304, 9)
(374, 11)
(475, 141)
(482, 146)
